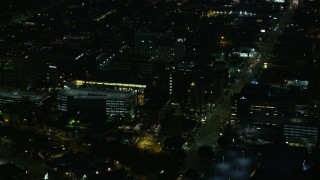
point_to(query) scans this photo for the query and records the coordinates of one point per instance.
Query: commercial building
(139, 88)
(301, 131)
(197, 85)
(100, 103)
(14, 96)
(17, 106)
(259, 104)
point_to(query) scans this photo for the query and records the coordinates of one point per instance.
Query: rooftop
(22, 95)
(95, 93)
(81, 83)
(302, 121)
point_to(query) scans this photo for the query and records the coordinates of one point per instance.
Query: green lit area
(103, 16)
(72, 123)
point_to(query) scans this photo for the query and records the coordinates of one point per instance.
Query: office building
(98, 103)
(17, 105)
(196, 85)
(301, 131)
(259, 104)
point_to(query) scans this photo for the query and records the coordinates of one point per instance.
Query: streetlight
(221, 40)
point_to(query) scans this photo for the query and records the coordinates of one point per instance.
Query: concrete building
(259, 104)
(11, 96)
(301, 131)
(97, 102)
(17, 106)
(197, 85)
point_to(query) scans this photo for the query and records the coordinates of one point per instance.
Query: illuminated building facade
(101, 98)
(301, 131)
(259, 104)
(247, 111)
(100, 103)
(117, 86)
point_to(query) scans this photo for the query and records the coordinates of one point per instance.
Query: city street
(209, 132)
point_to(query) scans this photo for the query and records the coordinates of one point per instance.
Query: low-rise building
(98, 101)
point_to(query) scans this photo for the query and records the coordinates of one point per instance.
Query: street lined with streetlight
(209, 133)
